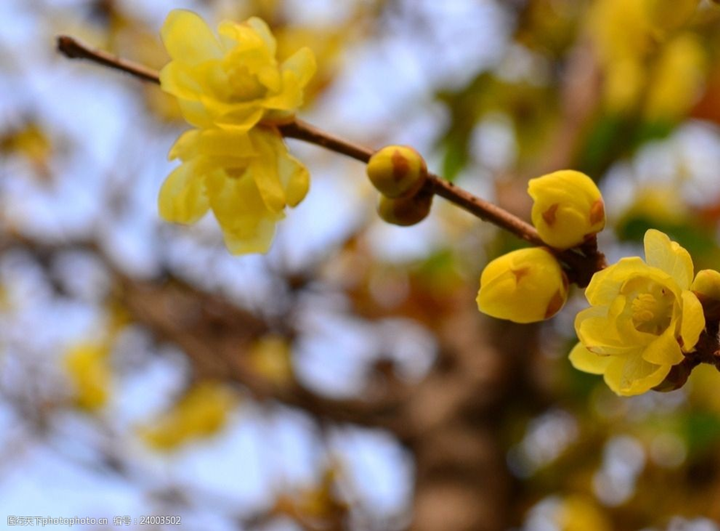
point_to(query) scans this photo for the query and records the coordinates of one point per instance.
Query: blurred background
(346, 380)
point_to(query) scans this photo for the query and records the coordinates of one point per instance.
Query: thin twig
(581, 266)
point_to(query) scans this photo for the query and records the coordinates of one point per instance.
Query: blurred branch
(214, 335)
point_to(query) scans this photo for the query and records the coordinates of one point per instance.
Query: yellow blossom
(523, 286)
(397, 171)
(200, 413)
(88, 368)
(567, 208)
(676, 81)
(642, 318)
(246, 178)
(580, 513)
(668, 15)
(235, 80)
(270, 357)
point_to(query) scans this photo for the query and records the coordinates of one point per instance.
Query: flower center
(651, 307)
(244, 85)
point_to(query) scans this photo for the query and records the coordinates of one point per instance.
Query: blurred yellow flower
(567, 208)
(675, 83)
(88, 367)
(642, 317)
(246, 178)
(668, 15)
(270, 357)
(523, 286)
(233, 81)
(580, 513)
(201, 412)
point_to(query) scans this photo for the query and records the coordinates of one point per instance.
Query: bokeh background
(346, 380)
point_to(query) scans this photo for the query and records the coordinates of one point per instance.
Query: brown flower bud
(405, 211)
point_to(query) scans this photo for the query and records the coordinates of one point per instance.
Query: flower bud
(707, 285)
(523, 286)
(405, 211)
(397, 171)
(568, 208)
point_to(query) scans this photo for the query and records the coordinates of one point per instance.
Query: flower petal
(248, 226)
(665, 350)
(605, 285)
(295, 178)
(632, 375)
(667, 255)
(182, 197)
(188, 38)
(693, 320)
(302, 63)
(584, 360)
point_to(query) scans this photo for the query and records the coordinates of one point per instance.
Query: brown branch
(74, 49)
(582, 266)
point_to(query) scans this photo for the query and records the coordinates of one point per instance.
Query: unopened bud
(397, 171)
(568, 208)
(405, 211)
(524, 286)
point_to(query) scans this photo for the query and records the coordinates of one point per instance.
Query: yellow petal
(302, 63)
(693, 320)
(219, 143)
(248, 226)
(665, 350)
(195, 113)
(605, 285)
(295, 178)
(179, 80)
(632, 375)
(188, 39)
(182, 197)
(584, 360)
(184, 147)
(596, 328)
(264, 169)
(263, 31)
(668, 256)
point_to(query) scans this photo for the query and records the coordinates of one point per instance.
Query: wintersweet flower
(567, 208)
(524, 286)
(642, 318)
(246, 178)
(88, 368)
(233, 81)
(202, 412)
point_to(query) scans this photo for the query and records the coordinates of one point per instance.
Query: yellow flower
(88, 367)
(523, 286)
(270, 356)
(642, 318)
(668, 15)
(202, 412)
(676, 81)
(233, 81)
(246, 178)
(567, 208)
